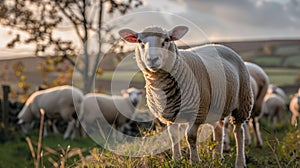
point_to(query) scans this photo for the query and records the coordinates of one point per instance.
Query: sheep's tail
(246, 99)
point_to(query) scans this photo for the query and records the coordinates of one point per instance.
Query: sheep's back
(273, 104)
(108, 106)
(226, 78)
(262, 81)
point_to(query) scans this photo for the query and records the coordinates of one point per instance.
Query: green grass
(16, 153)
(280, 148)
(282, 76)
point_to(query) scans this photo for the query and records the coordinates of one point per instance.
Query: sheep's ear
(129, 35)
(123, 91)
(141, 92)
(178, 32)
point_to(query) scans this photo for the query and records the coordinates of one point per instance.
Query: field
(280, 149)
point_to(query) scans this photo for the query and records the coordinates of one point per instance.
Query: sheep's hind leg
(247, 133)
(175, 140)
(226, 145)
(239, 139)
(219, 138)
(191, 137)
(257, 132)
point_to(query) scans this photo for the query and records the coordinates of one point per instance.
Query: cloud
(267, 14)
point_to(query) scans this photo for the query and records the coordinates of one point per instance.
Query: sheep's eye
(142, 46)
(165, 41)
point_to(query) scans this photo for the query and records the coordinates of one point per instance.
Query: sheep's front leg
(191, 137)
(219, 137)
(70, 127)
(257, 132)
(55, 130)
(175, 140)
(239, 139)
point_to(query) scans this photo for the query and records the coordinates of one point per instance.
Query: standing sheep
(273, 106)
(191, 86)
(60, 101)
(261, 84)
(116, 110)
(295, 108)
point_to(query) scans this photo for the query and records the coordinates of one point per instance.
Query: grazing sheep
(60, 101)
(259, 91)
(191, 86)
(278, 91)
(295, 108)
(273, 106)
(116, 110)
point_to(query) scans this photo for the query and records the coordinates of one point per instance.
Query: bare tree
(40, 18)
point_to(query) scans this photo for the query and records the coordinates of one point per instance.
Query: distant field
(282, 76)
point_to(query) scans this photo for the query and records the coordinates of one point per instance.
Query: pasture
(280, 148)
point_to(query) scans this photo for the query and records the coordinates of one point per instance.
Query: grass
(280, 149)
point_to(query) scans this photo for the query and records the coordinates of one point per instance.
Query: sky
(208, 20)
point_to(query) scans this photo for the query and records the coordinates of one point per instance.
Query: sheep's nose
(152, 62)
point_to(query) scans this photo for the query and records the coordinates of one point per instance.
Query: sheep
(60, 101)
(184, 86)
(262, 83)
(295, 108)
(116, 110)
(273, 106)
(278, 91)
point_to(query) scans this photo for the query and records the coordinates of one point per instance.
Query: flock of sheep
(206, 84)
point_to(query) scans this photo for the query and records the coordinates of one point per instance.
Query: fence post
(5, 107)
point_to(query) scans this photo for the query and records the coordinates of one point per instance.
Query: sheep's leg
(239, 139)
(226, 145)
(75, 129)
(191, 136)
(45, 129)
(70, 127)
(247, 133)
(275, 121)
(174, 136)
(257, 134)
(294, 120)
(55, 130)
(219, 138)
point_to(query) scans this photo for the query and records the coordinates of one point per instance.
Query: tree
(39, 19)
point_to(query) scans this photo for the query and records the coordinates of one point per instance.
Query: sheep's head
(156, 49)
(134, 94)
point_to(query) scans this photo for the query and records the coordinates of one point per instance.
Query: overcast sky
(208, 20)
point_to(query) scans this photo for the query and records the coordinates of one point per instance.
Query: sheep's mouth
(153, 69)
